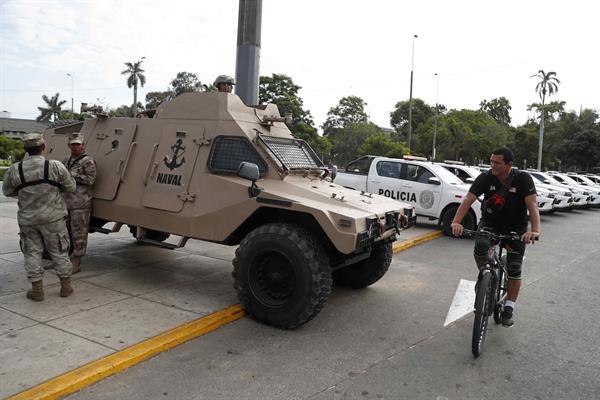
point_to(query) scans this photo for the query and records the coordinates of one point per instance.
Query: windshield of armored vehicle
(292, 153)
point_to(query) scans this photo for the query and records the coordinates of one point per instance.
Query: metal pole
(248, 50)
(541, 139)
(410, 96)
(437, 93)
(72, 114)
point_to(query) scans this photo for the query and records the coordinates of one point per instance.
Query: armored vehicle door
(170, 170)
(111, 145)
(57, 147)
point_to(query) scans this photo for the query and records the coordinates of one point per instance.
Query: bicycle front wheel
(482, 301)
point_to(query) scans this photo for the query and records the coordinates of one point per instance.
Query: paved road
(388, 341)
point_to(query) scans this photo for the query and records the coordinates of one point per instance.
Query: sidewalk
(126, 293)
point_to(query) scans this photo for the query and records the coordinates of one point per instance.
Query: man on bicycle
(508, 195)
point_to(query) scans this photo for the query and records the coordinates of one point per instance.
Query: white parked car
(580, 197)
(592, 192)
(435, 192)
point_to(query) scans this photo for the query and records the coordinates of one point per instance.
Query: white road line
(462, 303)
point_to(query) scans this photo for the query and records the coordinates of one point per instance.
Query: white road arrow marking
(462, 303)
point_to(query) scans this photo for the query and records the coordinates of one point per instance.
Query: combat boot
(76, 262)
(37, 291)
(65, 287)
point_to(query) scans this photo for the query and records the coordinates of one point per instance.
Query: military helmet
(224, 79)
(76, 138)
(33, 139)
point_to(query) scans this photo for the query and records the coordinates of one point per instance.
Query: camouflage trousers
(78, 224)
(55, 238)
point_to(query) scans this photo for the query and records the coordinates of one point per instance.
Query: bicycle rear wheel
(482, 313)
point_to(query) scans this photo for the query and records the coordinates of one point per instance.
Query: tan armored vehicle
(206, 166)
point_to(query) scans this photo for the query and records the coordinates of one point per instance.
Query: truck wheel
(366, 272)
(282, 275)
(150, 234)
(468, 221)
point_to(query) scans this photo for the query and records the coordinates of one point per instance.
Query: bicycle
(491, 288)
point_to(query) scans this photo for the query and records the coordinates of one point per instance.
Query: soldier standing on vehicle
(37, 184)
(224, 83)
(79, 204)
(509, 195)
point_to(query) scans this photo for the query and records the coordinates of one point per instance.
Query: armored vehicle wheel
(151, 234)
(468, 221)
(366, 272)
(282, 275)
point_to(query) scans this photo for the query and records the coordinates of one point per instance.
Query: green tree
(553, 110)
(52, 110)
(135, 75)
(154, 99)
(187, 82)
(499, 109)
(547, 86)
(10, 149)
(380, 144)
(347, 140)
(122, 111)
(421, 112)
(350, 110)
(281, 90)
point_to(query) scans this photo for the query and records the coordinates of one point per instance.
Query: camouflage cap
(33, 139)
(224, 79)
(75, 137)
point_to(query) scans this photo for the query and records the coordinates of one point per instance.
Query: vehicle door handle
(375, 182)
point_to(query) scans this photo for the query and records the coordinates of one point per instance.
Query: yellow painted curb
(406, 244)
(95, 371)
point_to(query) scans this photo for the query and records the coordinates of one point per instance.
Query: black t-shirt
(513, 213)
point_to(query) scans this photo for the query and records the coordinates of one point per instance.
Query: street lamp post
(437, 93)
(411, 90)
(72, 113)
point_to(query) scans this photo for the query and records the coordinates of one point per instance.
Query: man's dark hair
(507, 154)
(34, 151)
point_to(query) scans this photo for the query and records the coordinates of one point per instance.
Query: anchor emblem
(177, 148)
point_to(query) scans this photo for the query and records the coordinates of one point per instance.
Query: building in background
(16, 128)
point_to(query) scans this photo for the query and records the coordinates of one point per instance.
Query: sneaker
(507, 316)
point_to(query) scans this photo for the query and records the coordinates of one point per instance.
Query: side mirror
(470, 180)
(434, 181)
(248, 171)
(547, 181)
(251, 172)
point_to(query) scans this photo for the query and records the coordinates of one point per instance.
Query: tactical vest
(37, 181)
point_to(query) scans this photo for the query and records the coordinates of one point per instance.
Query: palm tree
(134, 74)
(53, 110)
(548, 85)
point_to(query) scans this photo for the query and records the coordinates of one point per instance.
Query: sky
(330, 48)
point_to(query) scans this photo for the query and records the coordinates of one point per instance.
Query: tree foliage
(52, 110)
(10, 149)
(499, 109)
(135, 75)
(421, 112)
(187, 82)
(380, 144)
(154, 99)
(349, 111)
(346, 141)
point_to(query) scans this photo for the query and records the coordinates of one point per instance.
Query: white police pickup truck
(435, 192)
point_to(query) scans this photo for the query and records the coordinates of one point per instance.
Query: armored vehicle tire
(468, 221)
(151, 234)
(366, 272)
(282, 275)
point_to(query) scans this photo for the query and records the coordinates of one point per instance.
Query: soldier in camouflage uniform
(37, 183)
(79, 204)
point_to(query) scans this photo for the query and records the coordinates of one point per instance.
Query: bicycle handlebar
(494, 236)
